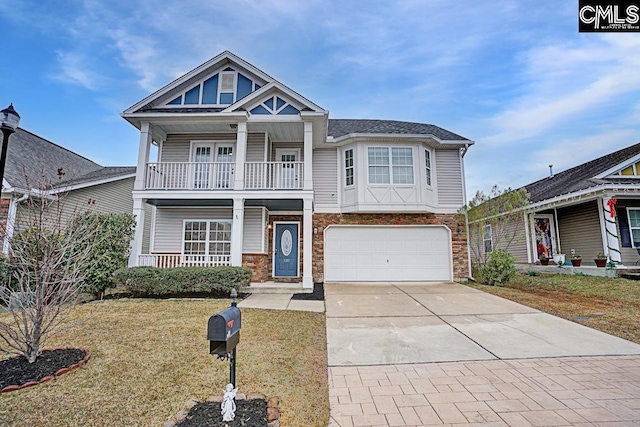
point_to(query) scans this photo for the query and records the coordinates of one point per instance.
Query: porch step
(275, 288)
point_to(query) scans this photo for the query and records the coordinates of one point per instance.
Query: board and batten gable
(325, 176)
(449, 178)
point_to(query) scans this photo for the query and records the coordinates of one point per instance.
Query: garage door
(387, 253)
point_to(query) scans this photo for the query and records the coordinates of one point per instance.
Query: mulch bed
(17, 373)
(316, 295)
(249, 413)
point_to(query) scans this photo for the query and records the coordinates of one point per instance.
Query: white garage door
(387, 253)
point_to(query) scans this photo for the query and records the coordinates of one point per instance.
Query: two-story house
(249, 172)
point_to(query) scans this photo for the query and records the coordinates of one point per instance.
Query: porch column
(608, 223)
(136, 243)
(307, 239)
(146, 139)
(308, 156)
(10, 224)
(237, 235)
(241, 156)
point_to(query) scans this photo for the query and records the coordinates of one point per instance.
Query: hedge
(148, 281)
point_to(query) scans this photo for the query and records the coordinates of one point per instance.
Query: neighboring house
(34, 163)
(591, 208)
(249, 172)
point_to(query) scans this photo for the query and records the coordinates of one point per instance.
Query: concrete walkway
(447, 354)
(280, 301)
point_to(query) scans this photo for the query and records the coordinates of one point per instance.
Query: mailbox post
(223, 333)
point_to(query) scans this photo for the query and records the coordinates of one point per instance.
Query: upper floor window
(390, 165)
(427, 157)
(488, 239)
(348, 166)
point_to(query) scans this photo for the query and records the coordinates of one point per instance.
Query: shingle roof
(33, 161)
(581, 177)
(341, 127)
(101, 174)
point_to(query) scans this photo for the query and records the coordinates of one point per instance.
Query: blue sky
(515, 76)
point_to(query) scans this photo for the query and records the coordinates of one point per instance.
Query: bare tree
(47, 262)
(502, 210)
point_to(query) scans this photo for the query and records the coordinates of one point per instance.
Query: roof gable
(274, 99)
(219, 82)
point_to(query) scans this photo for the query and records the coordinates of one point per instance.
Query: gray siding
(449, 177)
(253, 229)
(518, 247)
(325, 176)
(111, 197)
(169, 224)
(579, 228)
(255, 147)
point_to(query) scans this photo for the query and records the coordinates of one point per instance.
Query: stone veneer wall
(454, 222)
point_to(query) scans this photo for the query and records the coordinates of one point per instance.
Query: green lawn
(610, 305)
(150, 356)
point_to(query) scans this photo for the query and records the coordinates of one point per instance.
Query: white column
(308, 156)
(136, 244)
(241, 156)
(143, 155)
(10, 224)
(237, 235)
(307, 240)
(612, 248)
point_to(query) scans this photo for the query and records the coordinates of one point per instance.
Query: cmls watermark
(608, 16)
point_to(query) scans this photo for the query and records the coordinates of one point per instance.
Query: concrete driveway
(399, 323)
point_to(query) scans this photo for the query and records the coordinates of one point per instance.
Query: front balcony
(173, 260)
(220, 176)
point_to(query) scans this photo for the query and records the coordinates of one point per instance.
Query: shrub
(110, 250)
(147, 281)
(499, 268)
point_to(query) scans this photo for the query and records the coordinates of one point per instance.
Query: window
(390, 165)
(634, 226)
(427, 157)
(207, 238)
(487, 237)
(348, 166)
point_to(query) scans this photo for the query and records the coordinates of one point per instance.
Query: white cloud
(74, 70)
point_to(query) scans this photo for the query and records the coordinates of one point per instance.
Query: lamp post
(9, 120)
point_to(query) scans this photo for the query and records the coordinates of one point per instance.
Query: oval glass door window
(286, 242)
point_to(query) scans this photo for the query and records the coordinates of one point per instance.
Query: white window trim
(629, 209)
(207, 241)
(485, 240)
(352, 167)
(211, 143)
(391, 165)
(428, 170)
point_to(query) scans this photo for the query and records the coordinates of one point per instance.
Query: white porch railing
(179, 260)
(273, 175)
(189, 176)
(219, 176)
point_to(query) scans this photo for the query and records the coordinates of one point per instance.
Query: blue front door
(285, 251)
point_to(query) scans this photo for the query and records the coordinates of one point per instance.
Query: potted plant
(558, 258)
(576, 260)
(544, 260)
(600, 260)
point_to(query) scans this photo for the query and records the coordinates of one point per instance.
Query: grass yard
(610, 305)
(150, 356)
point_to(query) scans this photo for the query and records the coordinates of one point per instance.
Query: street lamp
(9, 120)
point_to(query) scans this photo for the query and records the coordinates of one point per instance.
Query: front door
(224, 164)
(202, 157)
(285, 249)
(544, 236)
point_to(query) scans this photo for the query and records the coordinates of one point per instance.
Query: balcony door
(213, 165)
(287, 169)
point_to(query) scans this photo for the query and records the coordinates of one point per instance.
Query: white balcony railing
(179, 260)
(219, 176)
(273, 176)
